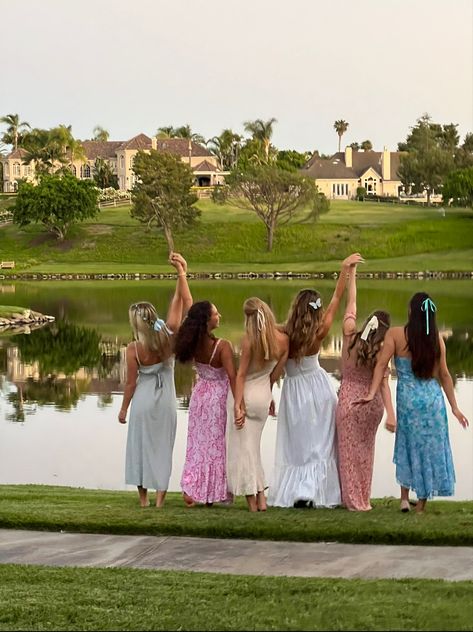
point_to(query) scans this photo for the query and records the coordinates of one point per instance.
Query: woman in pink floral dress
(357, 425)
(204, 477)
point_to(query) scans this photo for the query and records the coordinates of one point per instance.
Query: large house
(339, 176)
(120, 155)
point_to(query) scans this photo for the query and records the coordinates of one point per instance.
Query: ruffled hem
(316, 482)
(206, 484)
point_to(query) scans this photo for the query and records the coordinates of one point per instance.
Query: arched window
(73, 170)
(85, 171)
(16, 169)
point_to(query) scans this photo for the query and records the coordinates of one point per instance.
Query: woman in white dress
(305, 472)
(264, 352)
(151, 391)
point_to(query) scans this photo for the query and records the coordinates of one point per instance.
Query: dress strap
(137, 356)
(213, 352)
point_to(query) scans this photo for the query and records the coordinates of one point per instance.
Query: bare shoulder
(225, 345)
(283, 339)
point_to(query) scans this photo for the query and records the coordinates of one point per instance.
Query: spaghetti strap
(137, 356)
(213, 352)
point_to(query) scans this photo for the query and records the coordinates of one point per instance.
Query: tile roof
(180, 147)
(96, 149)
(205, 165)
(335, 167)
(141, 141)
(18, 153)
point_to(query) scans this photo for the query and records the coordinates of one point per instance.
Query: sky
(133, 66)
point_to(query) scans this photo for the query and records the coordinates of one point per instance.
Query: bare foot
(420, 507)
(143, 494)
(261, 501)
(188, 500)
(252, 504)
(160, 496)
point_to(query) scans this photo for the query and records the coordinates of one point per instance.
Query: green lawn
(91, 511)
(391, 237)
(39, 598)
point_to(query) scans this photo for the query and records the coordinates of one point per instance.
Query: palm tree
(167, 131)
(184, 131)
(366, 145)
(48, 148)
(101, 134)
(225, 147)
(340, 127)
(15, 130)
(262, 132)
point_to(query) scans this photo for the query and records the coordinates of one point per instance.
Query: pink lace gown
(356, 432)
(204, 477)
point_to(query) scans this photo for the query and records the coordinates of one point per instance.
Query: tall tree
(57, 202)
(103, 175)
(53, 150)
(15, 129)
(458, 185)
(184, 131)
(101, 134)
(340, 127)
(428, 156)
(273, 194)
(366, 145)
(261, 131)
(464, 154)
(355, 146)
(226, 148)
(162, 194)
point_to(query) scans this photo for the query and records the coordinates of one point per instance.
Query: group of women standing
(325, 444)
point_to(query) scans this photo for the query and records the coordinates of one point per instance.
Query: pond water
(60, 386)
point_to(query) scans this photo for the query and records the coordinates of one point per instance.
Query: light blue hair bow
(158, 324)
(316, 304)
(428, 304)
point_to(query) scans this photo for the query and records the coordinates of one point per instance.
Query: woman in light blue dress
(151, 391)
(422, 452)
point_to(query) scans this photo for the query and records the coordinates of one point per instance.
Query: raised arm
(331, 310)
(349, 320)
(245, 358)
(182, 299)
(447, 384)
(130, 386)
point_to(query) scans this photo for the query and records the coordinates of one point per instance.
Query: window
(7, 170)
(73, 170)
(16, 169)
(132, 160)
(333, 189)
(86, 171)
(27, 170)
(122, 162)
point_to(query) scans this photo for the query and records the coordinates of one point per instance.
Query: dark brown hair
(192, 331)
(422, 335)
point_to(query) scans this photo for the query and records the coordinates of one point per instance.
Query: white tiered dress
(306, 461)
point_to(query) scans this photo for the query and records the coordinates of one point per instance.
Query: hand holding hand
(363, 400)
(178, 262)
(461, 417)
(272, 409)
(353, 260)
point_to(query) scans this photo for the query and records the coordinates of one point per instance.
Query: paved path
(240, 557)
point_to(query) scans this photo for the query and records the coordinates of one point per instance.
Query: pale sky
(133, 66)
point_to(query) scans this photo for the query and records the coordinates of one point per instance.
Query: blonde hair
(303, 322)
(144, 321)
(261, 331)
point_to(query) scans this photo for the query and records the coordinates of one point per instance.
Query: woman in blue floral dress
(422, 452)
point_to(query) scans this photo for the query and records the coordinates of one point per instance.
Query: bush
(220, 194)
(360, 193)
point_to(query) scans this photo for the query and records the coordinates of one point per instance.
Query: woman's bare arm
(131, 379)
(447, 384)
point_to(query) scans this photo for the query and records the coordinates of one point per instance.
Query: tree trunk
(429, 193)
(339, 142)
(270, 235)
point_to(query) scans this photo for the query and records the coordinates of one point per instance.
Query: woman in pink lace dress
(204, 477)
(357, 425)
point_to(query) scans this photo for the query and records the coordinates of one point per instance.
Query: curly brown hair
(367, 350)
(303, 322)
(193, 331)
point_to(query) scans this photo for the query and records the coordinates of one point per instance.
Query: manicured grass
(231, 240)
(91, 511)
(7, 310)
(39, 598)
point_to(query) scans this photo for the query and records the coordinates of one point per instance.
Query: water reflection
(60, 386)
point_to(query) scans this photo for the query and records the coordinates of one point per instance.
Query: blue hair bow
(158, 324)
(428, 304)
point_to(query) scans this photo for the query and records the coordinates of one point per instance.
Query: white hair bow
(316, 304)
(371, 325)
(260, 319)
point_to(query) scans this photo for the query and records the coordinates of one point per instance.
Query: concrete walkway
(239, 557)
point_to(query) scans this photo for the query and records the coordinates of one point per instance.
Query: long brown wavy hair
(193, 331)
(303, 322)
(367, 350)
(143, 316)
(261, 330)
(424, 347)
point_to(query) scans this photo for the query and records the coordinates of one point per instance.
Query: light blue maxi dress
(422, 452)
(152, 427)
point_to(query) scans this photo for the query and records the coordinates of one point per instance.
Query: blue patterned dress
(422, 452)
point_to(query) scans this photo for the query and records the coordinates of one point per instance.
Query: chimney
(348, 157)
(154, 142)
(386, 164)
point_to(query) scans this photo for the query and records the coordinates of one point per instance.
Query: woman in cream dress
(264, 352)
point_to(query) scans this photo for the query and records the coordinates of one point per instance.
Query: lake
(60, 386)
